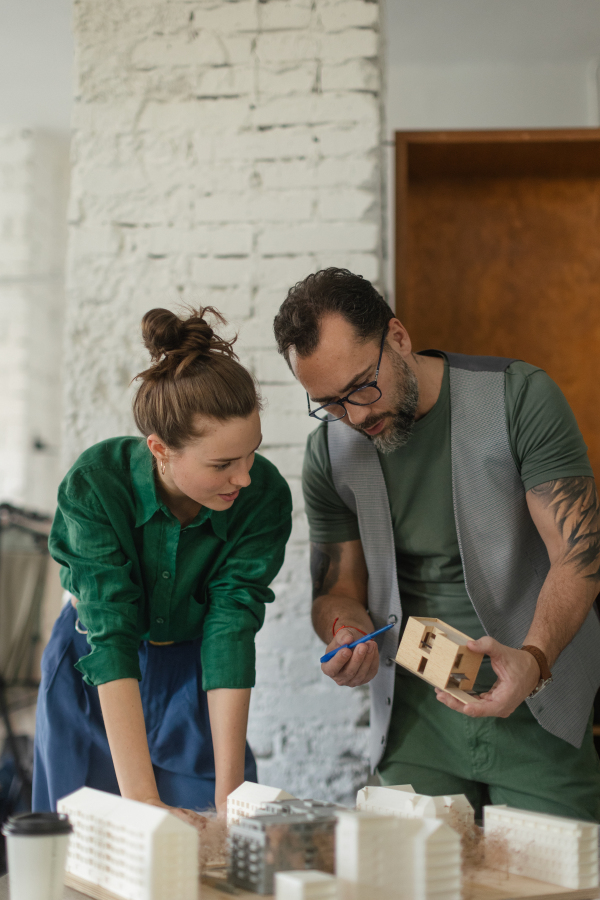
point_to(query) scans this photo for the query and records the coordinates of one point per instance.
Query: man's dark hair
(297, 324)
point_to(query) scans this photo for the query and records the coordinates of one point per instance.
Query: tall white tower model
(393, 858)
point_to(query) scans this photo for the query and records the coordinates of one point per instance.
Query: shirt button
(160, 621)
(166, 575)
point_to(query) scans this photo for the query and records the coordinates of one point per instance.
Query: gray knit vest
(504, 558)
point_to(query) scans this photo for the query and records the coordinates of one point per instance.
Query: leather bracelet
(545, 673)
(540, 658)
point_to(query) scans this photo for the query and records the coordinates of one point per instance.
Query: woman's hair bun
(194, 376)
(174, 342)
(161, 332)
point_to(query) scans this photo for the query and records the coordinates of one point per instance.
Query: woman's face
(212, 469)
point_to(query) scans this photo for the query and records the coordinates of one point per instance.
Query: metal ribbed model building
(289, 835)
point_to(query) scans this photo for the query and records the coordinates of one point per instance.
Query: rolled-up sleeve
(98, 573)
(237, 595)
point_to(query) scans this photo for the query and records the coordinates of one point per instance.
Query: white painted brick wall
(224, 149)
(33, 200)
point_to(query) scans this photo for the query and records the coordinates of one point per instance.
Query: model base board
(89, 889)
(492, 884)
(485, 884)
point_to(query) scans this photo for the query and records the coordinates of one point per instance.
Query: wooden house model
(438, 653)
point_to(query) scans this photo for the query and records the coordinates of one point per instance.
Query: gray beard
(406, 395)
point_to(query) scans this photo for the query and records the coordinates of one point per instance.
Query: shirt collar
(218, 520)
(147, 501)
(142, 478)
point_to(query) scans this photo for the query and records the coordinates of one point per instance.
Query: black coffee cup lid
(35, 824)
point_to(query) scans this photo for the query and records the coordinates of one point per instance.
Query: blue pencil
(361, 640)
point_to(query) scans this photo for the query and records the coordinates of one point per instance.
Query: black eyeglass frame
(346, 399)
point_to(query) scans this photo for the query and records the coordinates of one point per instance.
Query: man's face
(341, 363)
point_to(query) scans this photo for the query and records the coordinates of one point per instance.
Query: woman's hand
(186, 815)
(221, 805)
(126, 732)
(228, 711)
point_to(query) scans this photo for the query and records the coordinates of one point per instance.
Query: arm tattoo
(324, 567)
(574, 505)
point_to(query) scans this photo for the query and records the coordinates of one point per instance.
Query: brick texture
(224, 149)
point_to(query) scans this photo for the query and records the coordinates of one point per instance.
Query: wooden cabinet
(498, 252)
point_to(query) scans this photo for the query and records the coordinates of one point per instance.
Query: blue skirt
(71, 748)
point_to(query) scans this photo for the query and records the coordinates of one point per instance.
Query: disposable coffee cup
(37, 846)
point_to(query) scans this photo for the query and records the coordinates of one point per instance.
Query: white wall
(492, 63)
(36, 51)
(33, 196)
(36, 58)
(223, 151)
(497, 95)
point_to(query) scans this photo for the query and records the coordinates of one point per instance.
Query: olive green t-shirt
(545, 442)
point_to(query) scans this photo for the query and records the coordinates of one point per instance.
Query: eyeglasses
(362, 396)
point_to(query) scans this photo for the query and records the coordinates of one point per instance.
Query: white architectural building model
(306, 885)
(553, 849)
(367, 855)
(249, 798)
(125, 849)
(401, 800)
(394, 858)
(436, 861)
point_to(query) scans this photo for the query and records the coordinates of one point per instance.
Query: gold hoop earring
(162, 466)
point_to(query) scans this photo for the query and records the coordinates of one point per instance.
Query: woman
(167, 548)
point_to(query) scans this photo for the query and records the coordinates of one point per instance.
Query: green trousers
(512, 761)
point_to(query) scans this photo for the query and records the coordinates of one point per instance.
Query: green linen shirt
(138, 575)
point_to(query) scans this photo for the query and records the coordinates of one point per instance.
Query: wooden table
(488, 886)
(207, 893)
(68, 895)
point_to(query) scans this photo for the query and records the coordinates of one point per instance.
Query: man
(454, 487)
